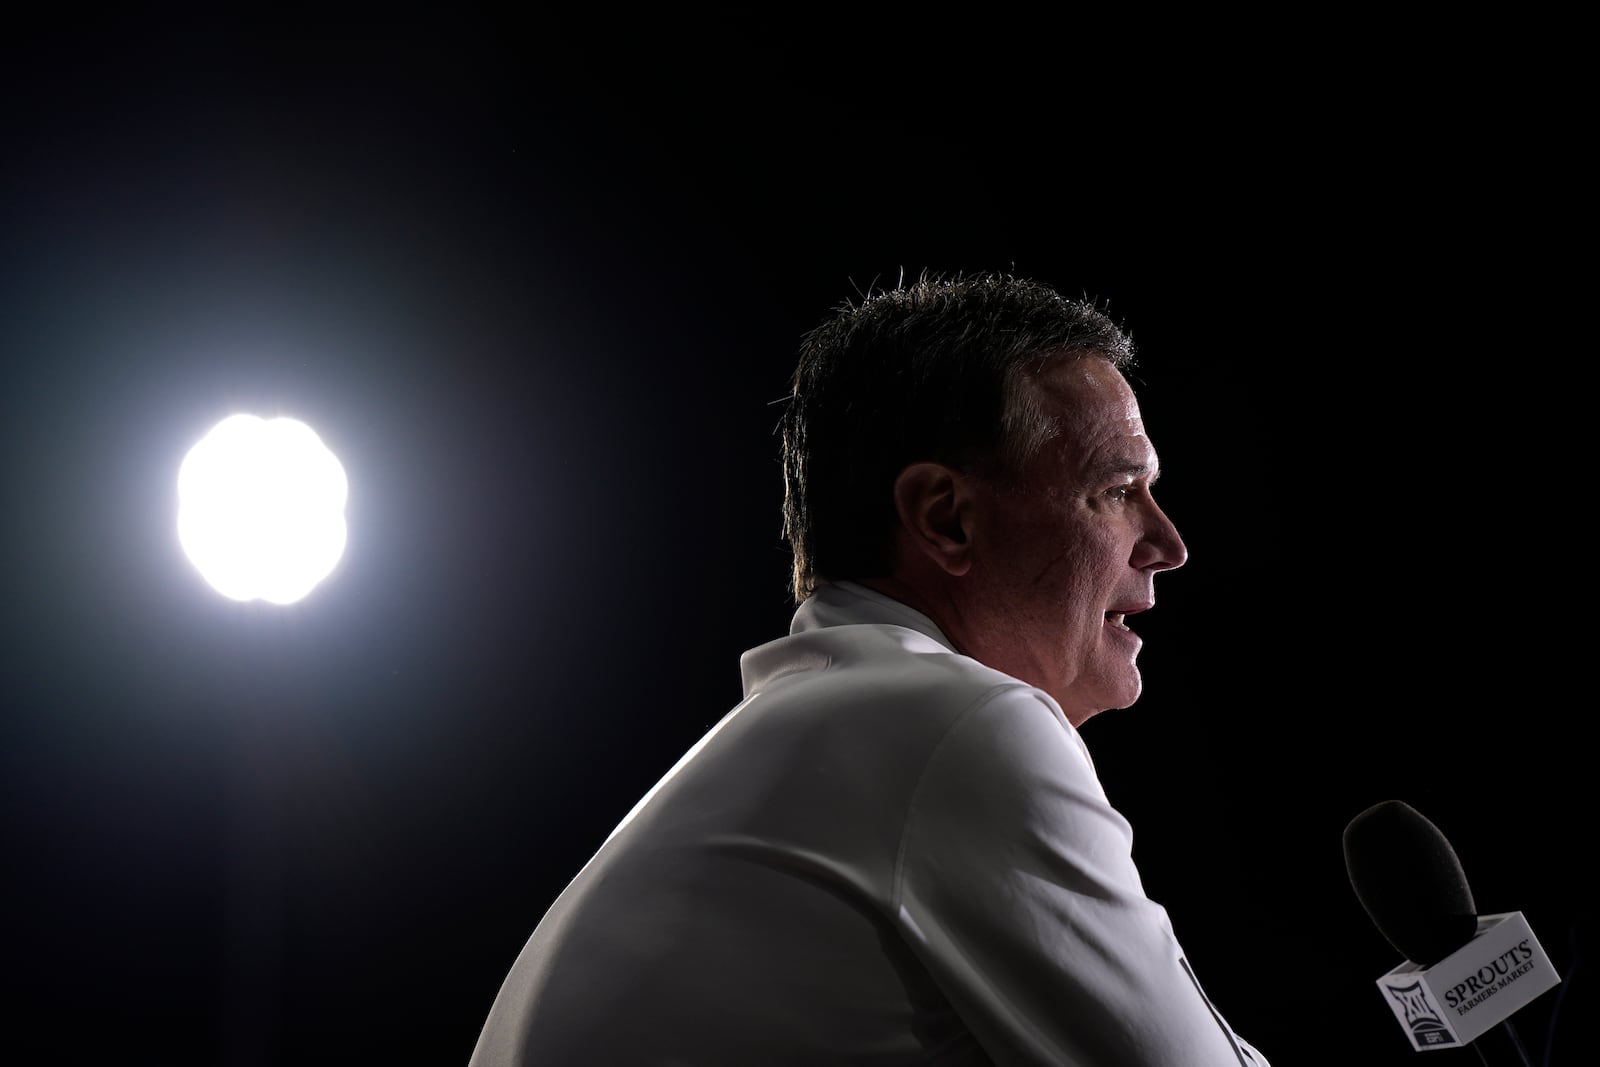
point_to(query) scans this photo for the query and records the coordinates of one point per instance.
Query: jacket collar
(820, 632)
(850, 603)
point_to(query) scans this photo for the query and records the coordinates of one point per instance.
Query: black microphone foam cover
(1408, 878)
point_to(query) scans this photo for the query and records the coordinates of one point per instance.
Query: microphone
(1464, 974)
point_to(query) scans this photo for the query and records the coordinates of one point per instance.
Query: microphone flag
(1473, 989)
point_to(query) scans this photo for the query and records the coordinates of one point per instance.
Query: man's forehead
(1100, 430)
(1088, 389)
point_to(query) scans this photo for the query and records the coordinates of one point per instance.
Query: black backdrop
(539, 281)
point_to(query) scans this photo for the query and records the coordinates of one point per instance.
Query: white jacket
(888, 853)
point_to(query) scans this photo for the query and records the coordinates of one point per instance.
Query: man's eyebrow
(1133, 468)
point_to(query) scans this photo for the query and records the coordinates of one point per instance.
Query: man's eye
(1119, 492)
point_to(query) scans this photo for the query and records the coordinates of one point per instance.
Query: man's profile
(895, 849)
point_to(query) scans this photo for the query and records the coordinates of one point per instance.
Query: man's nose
(1161, 548)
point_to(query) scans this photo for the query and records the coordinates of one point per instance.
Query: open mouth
(1117, 619)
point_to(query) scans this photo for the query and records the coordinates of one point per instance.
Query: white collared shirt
(887, 853)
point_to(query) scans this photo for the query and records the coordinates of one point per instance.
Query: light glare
(261, 508)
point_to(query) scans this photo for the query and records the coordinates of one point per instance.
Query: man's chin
(1086, 698)
(1119, 697)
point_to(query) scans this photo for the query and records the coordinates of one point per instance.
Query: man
(895, 850)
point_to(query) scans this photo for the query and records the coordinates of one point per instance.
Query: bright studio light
(261, 508)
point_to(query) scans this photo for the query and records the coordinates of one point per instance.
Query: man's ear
(935, 509)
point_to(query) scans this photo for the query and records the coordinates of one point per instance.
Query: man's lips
(1118, 616)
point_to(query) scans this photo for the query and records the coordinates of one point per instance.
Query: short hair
(942, 370)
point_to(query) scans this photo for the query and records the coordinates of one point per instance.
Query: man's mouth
(1118, 616)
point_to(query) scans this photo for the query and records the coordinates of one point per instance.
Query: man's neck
(943, 615)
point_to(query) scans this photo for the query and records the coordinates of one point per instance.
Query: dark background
(539, 282)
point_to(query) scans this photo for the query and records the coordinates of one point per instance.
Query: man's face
(1068, 555)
